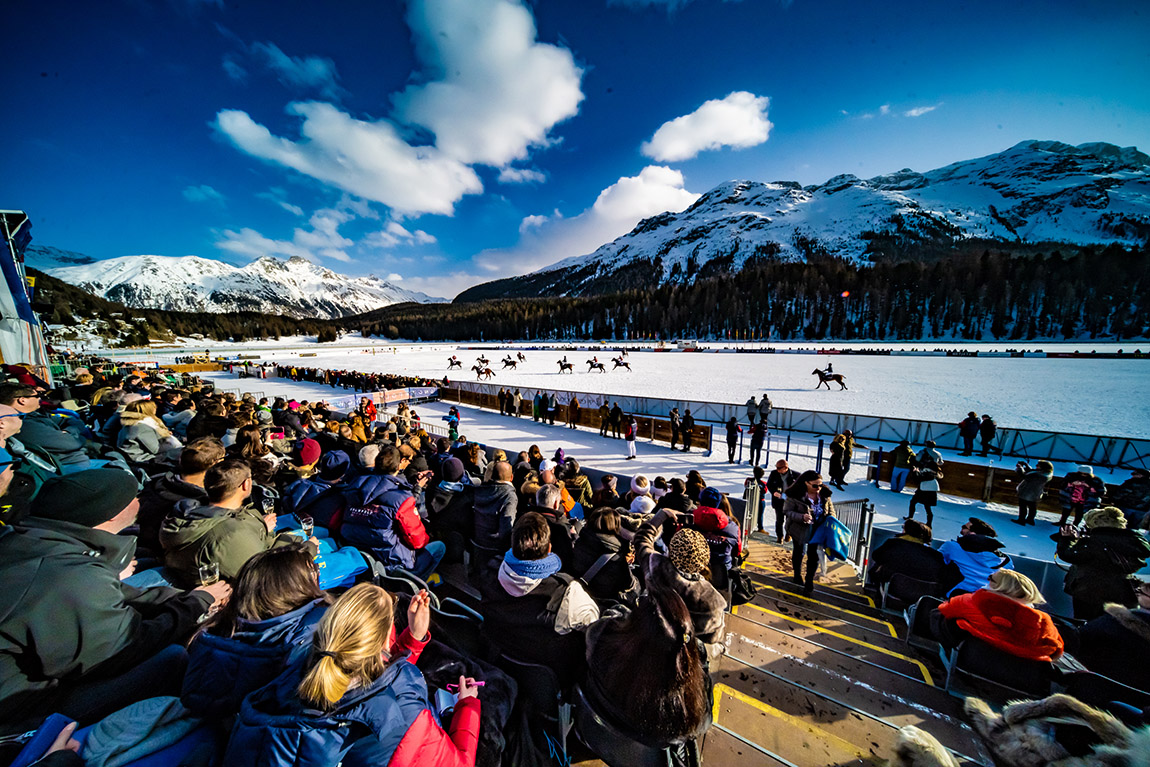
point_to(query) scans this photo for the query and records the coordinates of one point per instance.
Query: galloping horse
(568, 366)
(619, 363)
(454, 363)
(510, 363)
(825, 377)
(482, 360)
(593, 365)
(520, 357)
(482, 372)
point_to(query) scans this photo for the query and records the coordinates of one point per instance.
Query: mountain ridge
(1035, 191)
(295, 287)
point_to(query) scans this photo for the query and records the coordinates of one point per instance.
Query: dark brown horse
(825, 378)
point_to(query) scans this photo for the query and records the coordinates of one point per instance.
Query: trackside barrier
(858, 515)
(1024, 443)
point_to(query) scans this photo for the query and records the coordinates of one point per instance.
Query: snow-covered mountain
(295, 287)
(1034, 192)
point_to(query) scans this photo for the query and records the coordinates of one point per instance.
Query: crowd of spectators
(164, 541)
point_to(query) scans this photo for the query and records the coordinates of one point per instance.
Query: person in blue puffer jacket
(382, 518)
(356, 698)
(321, 497)
(274, 610)
(976, 553)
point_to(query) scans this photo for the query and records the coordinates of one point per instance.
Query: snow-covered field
(1105, 397)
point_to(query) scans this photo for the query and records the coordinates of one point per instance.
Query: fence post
(819, 458)
(988, 488)
(767, 449)
(877, 466)
(788, 455)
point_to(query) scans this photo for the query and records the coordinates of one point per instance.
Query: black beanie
(87, 498)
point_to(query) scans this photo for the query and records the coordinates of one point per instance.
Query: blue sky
(448, 142)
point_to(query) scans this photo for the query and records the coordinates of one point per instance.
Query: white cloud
(309, 73)
(323, 240)
(884, 109)
(278, 195)
(234, 69)
(738, 121)
(488, 92)
(366, 159)
(547, 239)
(521, 176)
(202, 193)
(920, 111)
(396, 234)
(394, 277)
(493, 90)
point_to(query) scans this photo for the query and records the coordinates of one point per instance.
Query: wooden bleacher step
(890, 654)
(816, 610)
(892, 699)
(723, 748)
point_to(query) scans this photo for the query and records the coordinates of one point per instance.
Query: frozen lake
(1105, 397)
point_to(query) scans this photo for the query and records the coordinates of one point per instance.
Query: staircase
(822, 680)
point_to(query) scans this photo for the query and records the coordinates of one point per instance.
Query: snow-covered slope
(295, 287)
(1036, 191)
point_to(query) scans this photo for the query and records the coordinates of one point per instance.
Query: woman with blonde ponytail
(355, 697)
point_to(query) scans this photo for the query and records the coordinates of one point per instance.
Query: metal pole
(788, 455)
(819, 458)
(878, 466)
(767, 449)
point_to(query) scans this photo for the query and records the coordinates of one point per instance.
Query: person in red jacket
(1003, 615)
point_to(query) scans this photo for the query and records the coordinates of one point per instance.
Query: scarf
(537, 569)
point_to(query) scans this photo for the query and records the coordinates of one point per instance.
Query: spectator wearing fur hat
(67, 613)
(640, 485)
(685, 571)
(1103, 561)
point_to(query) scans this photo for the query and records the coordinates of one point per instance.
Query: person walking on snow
(631, 432)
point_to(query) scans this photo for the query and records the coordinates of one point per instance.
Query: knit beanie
(710, 497)
(452, 470)
(689, 551)
(640, 485)
(308, 451)
(643, 504)
(1107, 516)
(87, 498)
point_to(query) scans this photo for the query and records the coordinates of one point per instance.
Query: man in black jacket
(778, 481)
(74, 639)
(688, 430)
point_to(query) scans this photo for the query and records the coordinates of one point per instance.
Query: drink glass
(209, 573)
(307, 525)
